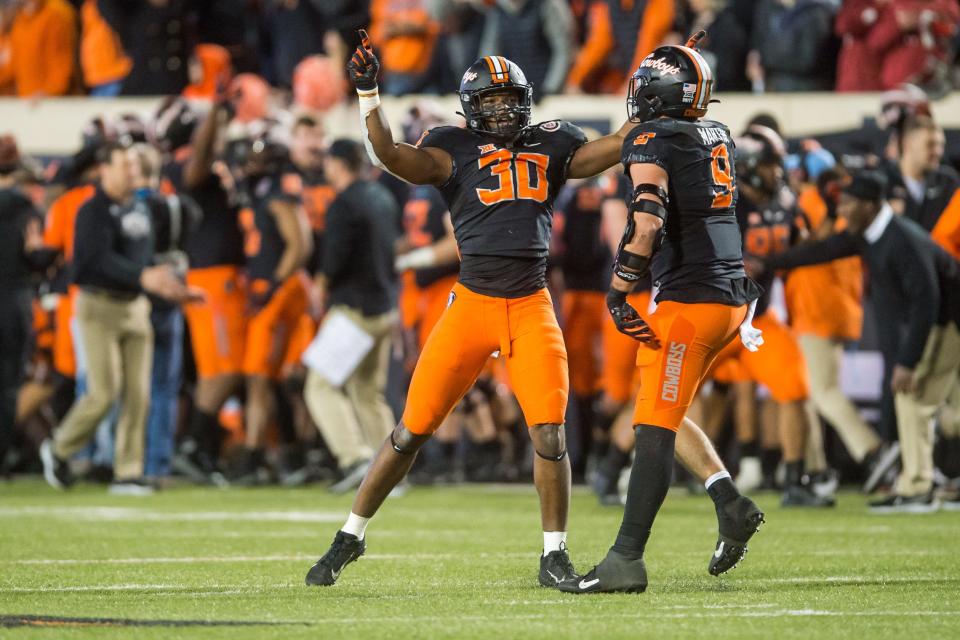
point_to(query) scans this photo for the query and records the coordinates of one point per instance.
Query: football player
(770, 223)
(682, 229)
(499, 177)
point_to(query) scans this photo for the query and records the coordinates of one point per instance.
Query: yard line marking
(120, 514)
(270, 558)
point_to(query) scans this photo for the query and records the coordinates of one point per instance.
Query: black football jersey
(501, 198)
(586, 261)
(769, 228)
(423, 225)
(263, 243)
(217, 239)
(700, 259)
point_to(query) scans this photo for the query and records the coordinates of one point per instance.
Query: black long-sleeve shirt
(113, 244)
(358, 248)
(16, 264)
(914, 283)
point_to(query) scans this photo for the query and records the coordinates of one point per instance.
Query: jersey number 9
(505, 166)
(722, 177)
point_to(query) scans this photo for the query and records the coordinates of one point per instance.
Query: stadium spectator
(354, 418)
(537, 35)
(915, 287)
(727, 23)
(913, 40)
(794, 45)
(113, 248)
(102, 60)
(154, 34)
(42, 48)
(858, 68)
(294, 31)
(462, 26)
(20, 235)
(620, 34)
(405, 34)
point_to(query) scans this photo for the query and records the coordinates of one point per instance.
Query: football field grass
(454, 563)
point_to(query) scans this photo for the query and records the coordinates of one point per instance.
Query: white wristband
(369, 100)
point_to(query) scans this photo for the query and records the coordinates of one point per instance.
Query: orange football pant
(621, 379)
(691, 336)
(473, 326)
(778, 365)
(218, 324)
(583, 314)
(270, 330)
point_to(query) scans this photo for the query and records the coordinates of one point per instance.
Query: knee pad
(549, 441)
(405, 442)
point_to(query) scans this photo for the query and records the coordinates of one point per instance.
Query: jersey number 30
(722, 177)
(505, 166)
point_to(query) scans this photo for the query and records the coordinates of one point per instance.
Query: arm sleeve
(94, 254)
(337, 241)
(841, 245)
(918, 279)
(558, 28)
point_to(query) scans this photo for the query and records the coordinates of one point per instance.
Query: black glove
(364, 66)
(627, 319)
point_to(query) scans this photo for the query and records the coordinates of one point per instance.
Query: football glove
(364, 66)
(627, 320)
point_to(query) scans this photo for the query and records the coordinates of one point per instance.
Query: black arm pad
(648, 206)
(651, 189)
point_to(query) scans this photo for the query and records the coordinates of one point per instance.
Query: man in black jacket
(358, 257)
(20, 231)
(113, 249)
(915, 287)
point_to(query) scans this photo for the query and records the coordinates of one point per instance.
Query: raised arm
(415, 165)
(599, 155)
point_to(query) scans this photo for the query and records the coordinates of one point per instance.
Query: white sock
(355, 525)
(719, 475)
(554, 541)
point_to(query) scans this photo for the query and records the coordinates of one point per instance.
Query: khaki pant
(936, 377)
(117, 340)
(355, 418)
(823, 357)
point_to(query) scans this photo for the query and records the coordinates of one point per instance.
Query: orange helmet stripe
(696, 66)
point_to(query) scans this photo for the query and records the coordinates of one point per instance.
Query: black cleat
(555, 567)
(345, 549)
(615, 574)
(738, 520)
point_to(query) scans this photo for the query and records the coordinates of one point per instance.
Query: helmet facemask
(639, 108)
(501, 120)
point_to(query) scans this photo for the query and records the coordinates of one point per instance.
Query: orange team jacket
(825, 299)
(58, 230)
(946, 232)
(42, 44)
(657, 20)
(403, 53)
(101, 56)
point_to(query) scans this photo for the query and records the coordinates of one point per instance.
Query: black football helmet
(490, 75)
(758, 146)
(672, 81)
